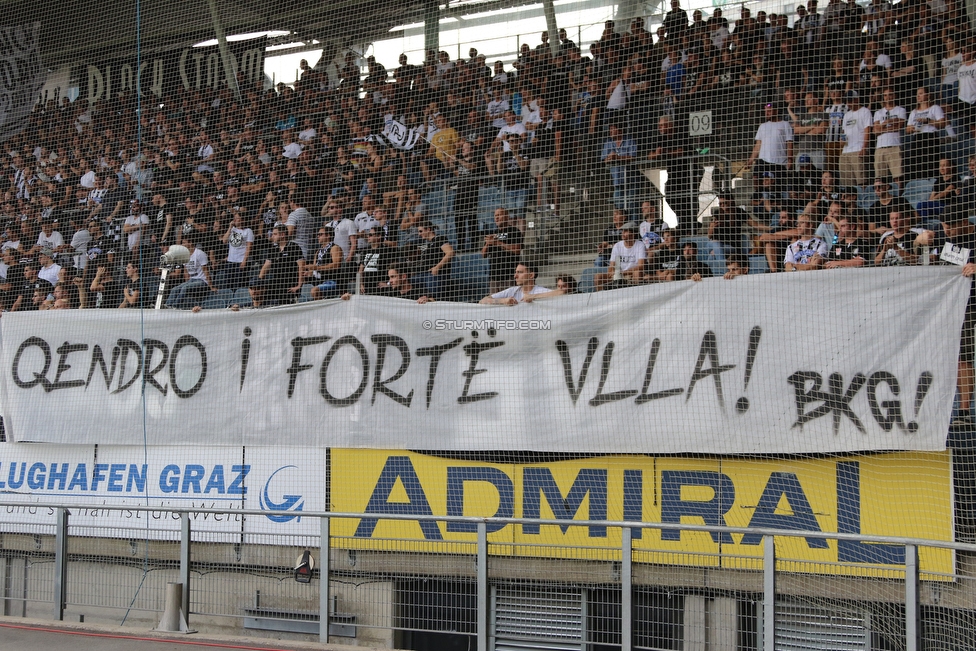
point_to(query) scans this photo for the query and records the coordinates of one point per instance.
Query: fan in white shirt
(524, 286)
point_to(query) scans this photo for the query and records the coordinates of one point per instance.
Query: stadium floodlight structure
(176, 256)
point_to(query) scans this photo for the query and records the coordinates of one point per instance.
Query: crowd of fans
(277, 189)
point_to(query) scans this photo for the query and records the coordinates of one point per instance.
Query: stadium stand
(598, 125)
(668, 150)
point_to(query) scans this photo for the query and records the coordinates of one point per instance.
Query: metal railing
(361, 575)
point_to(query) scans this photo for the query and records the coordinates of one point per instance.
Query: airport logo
(289, 503)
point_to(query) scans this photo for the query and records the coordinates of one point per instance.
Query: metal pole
(913, 611)
(769, 594)
(60, 563)
(324, 547)
(626, 591)
(226, 57)
(482, 586)
(185, 564)
(551, 27)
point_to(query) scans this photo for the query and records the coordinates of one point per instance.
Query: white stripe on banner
(792, 363)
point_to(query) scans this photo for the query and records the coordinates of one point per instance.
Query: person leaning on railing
(524, 286)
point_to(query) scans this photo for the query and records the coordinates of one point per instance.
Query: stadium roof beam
(432, 26)
(552, 27)
(165, 24)
(479, 20)
(230, 75)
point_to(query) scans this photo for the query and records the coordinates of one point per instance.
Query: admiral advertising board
(885, 494)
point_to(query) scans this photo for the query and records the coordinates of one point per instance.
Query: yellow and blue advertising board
(887, 494)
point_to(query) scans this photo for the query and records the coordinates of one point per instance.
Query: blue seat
(470, 278)
(711, 253)
(586, 284)
(489, 199)
(700, 240)
(215, 302)
(866, 197)
(758, 264)
(242, 297)
(713, 250)
(717, 266)
(918, 191)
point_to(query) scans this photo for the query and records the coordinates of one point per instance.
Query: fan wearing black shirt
(850, 249)
(161, 227)
(669, 149)
(880, 211)
(503, 249)
(434, 265)
(947, 189)
(667, 258)
(375, 260)
(282, 273)
(689, 267)
(545, 152)
(399, 286)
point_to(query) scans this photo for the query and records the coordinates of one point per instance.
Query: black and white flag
(21, 76)
(399, 135)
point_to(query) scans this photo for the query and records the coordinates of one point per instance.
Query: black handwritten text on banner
(777, 364)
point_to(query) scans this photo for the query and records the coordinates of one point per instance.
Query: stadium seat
(710, 252)
(758, 264)
(717, 266)
(470, 278)
(489, 198)
(242, 297)
(215, 302)
(918, 191)
(703, 242)
(306, 294)
(586, 280)
(866, 197)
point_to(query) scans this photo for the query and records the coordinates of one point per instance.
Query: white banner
(283, 482)
(838, 360)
